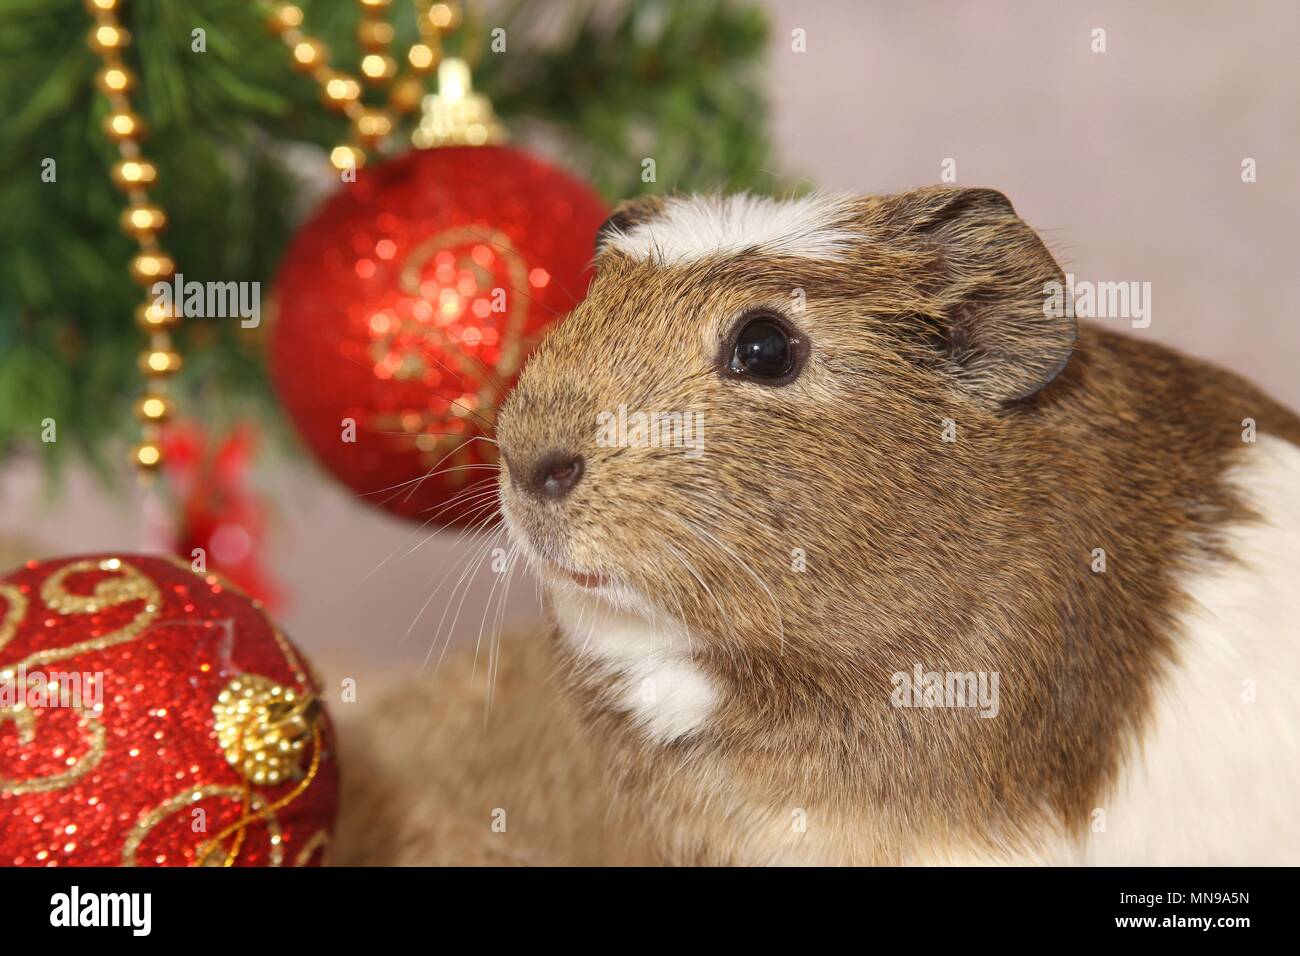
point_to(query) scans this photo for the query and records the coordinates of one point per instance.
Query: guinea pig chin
(544, 536)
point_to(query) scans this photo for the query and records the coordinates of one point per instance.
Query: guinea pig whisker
(489, 375)
(471, 564)
(434, 593)
(477, 517)
(490, 480)
(487, 422)
(681, 619)
(478, 490)
(733, 648)
(690, 569)
(476, 506)
(480, 495)
(591, 629)
(492, 242)
(430, 473)
(487, 606)
(494, 636)
(478, 643)
(481, 500)
(780, 618)
(389, 434)
(452, 469)
(446, 637)
(498, 623)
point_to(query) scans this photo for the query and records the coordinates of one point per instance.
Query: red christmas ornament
(152, 716)
(407, 306)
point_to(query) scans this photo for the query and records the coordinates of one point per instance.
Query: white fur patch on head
(692, 227)
(656, 682)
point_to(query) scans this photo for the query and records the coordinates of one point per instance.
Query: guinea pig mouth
(546, 556)
(583, 579)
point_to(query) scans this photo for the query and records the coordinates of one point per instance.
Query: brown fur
(965, 556)
(428, 767)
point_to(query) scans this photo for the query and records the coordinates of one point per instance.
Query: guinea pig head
(745, 428)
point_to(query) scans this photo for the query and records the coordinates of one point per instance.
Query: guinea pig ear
(628, 213)
(987, 277)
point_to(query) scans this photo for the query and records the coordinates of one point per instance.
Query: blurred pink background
(1128, 162)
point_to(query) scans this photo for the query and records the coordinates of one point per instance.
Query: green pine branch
(677, 82)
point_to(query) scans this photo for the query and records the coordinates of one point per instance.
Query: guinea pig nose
(556, 474)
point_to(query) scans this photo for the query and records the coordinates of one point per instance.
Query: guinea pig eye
(764, 349)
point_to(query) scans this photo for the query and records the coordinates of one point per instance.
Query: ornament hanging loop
(456, 115)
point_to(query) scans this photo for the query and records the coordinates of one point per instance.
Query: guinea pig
(857, 551)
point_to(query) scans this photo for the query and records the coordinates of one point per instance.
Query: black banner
(947, 907)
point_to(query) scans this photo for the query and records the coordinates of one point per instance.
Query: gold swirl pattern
(256, 810)
(291, 658)
(129, 585)
(15, 611)
(96, 744)
(512, 342)
(207, 852)
(416, 361)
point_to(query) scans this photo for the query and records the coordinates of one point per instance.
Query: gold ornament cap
(456, 115)
(263, 728)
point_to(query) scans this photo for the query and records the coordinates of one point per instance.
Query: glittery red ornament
(407, 306)
(152, 716)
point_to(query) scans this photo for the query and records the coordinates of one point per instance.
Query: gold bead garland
(341, 90)
(142, 221)
(133, 173)
(376, 65)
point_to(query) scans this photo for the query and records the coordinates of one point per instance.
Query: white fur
(657, 684)
(690, 228)
(1216, 779)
